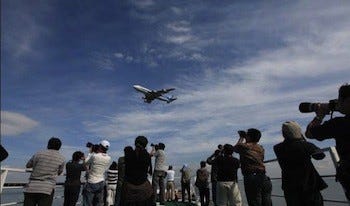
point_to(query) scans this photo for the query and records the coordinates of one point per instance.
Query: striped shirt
(47, 165)
(112, 177)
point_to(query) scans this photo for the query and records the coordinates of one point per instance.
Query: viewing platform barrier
(4, 172)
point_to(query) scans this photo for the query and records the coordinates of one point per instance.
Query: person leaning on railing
(339, 129)
(47, 165)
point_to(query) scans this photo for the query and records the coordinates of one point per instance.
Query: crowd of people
(126, 183)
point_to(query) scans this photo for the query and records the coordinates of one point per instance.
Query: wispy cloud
(104, 61)
(13, 123)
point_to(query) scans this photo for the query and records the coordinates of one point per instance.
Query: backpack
(202, 178)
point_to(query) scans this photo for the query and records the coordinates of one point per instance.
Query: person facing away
(301, 183)
(73, 183)
(112, 179)
(202, 182)
(257, 185)
(93, 191)
(159, 172)
(170, 185)
(47, 165)
(137, 190)
(185, 182)
(3, 153)
(337, 128)
(121, 175)
(228, 193)
(213, 174)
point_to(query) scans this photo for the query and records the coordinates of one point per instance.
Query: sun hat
(292, 130)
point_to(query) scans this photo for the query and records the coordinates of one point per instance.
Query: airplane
(150, 95)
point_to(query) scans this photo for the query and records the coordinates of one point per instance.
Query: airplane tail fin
(171, 99)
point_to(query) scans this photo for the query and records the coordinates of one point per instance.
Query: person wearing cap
(301, 183)
(98, 164)
(185, 182)
(257, 185)
(159, 172)
(137, 190)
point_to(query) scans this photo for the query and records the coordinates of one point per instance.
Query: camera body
(331, 106)
(242, 133)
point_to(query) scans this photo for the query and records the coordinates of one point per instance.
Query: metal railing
(335, 159)
(4, 173)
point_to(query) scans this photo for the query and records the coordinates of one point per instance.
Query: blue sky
(67, 70)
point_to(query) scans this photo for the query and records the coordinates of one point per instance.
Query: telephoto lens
(307, 107)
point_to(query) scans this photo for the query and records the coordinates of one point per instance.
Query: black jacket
(298, 172)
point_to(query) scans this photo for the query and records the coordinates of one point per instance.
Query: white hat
(105, 144)
(292, 130)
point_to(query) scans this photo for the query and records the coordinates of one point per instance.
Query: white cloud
(13, 124)
(181, 26)
(179, 39)
(119, 55)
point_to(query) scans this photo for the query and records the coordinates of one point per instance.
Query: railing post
(335, 158)
(334, 155)
(3, 178)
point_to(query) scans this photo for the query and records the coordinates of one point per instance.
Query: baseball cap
(105, 144)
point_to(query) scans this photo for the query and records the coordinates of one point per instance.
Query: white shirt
(98, 163)
(170, 175)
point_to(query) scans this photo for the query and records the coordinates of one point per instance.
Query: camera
(156, 146)
(242, 133)
(331, 106)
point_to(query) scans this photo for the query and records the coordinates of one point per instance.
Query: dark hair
(54, 143)
(254, 134)
(77, 156)
(203, 163)
(114, 166)
(228, 149)
(141, 141)
(102, 148)
(344, 91)
(170, 167)
(89, 144)
(95, 148)
(127, 149)
(161, 146)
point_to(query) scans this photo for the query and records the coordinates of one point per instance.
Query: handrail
(4, 171)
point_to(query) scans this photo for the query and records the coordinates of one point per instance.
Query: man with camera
(337, 128)
(98, 164)
(159, 172)
(257, 185)
(214, 170)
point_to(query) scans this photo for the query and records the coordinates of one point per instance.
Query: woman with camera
(72, 183)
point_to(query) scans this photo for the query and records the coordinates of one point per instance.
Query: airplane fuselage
(142, 89)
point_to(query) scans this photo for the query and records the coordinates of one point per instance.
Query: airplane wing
(163, 91)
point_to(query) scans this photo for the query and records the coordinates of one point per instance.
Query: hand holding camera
(242, 134)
